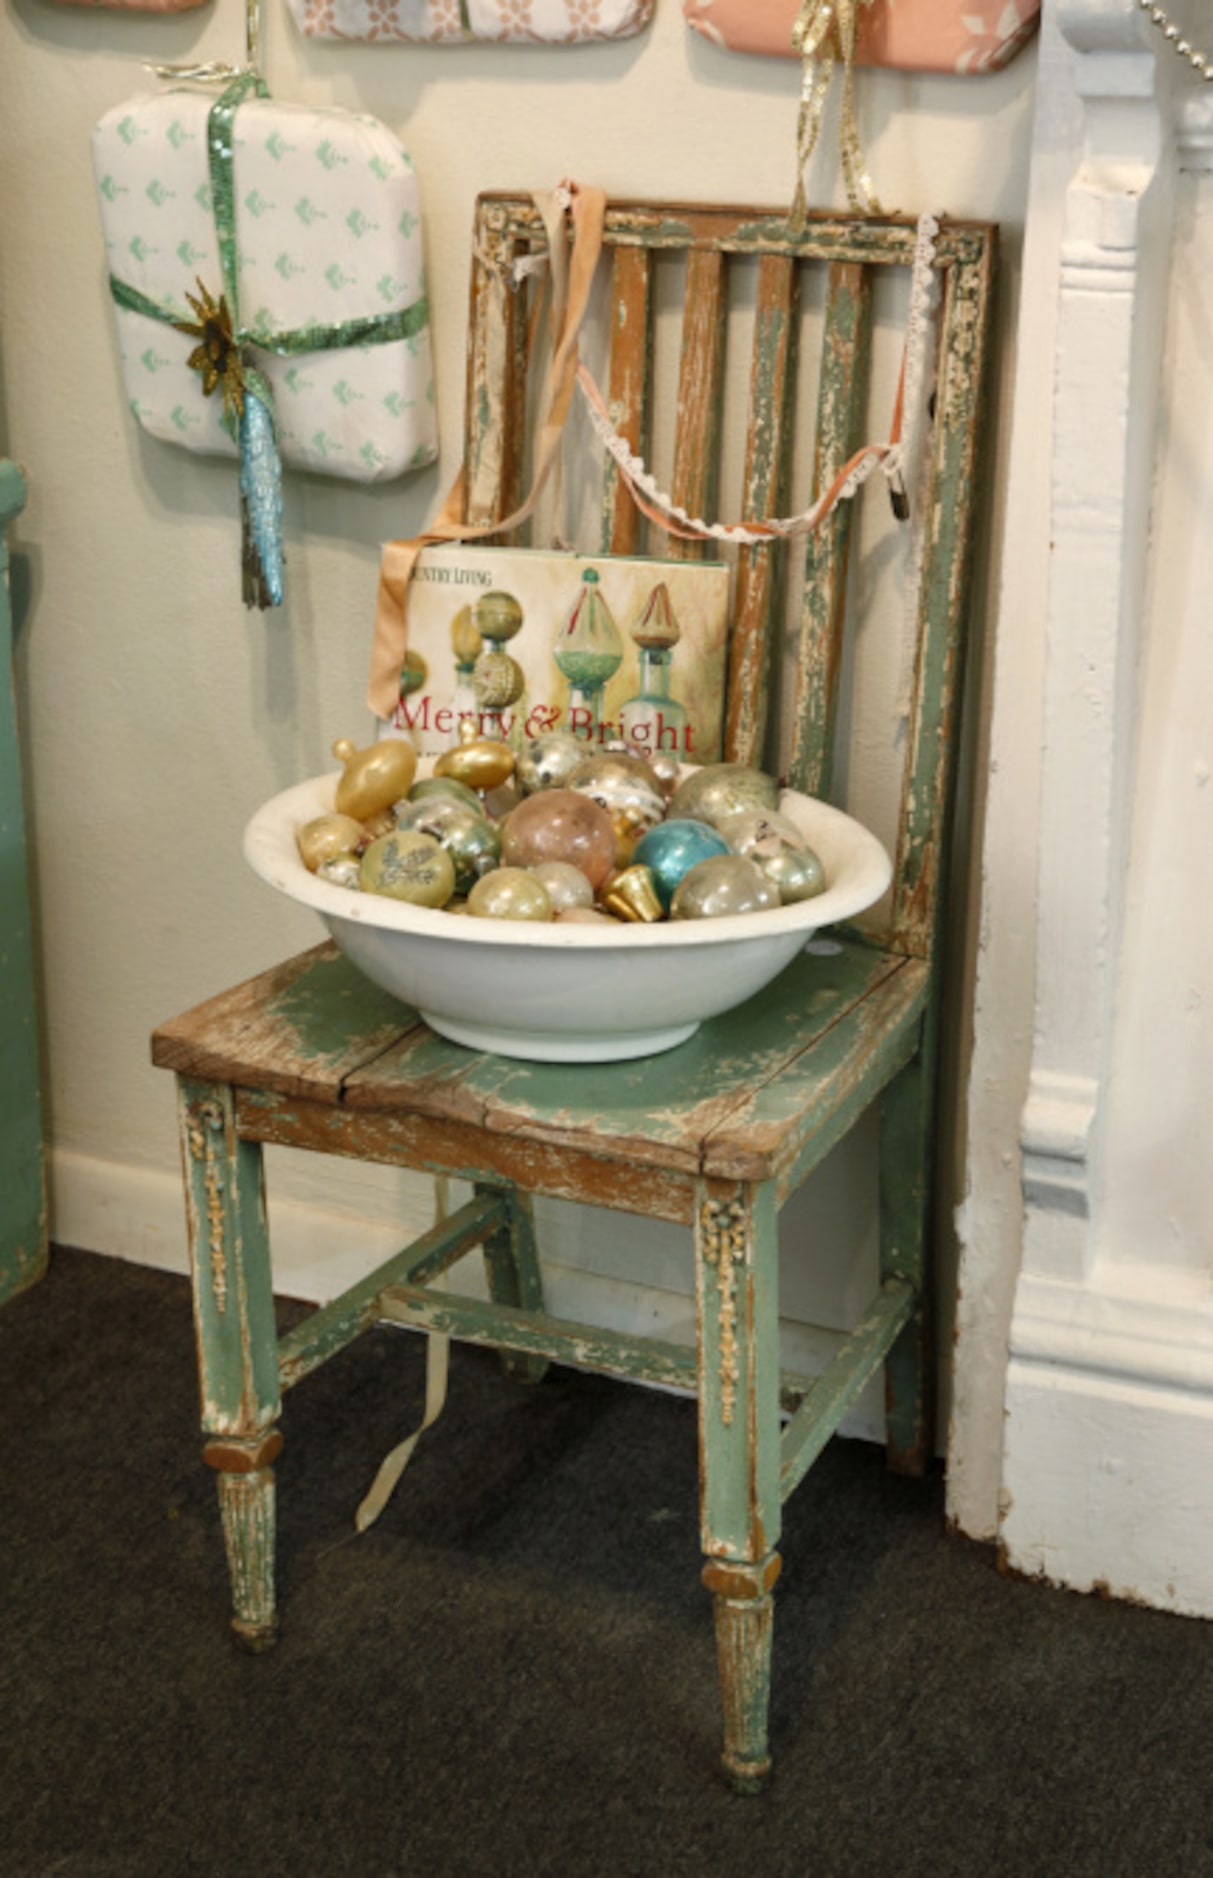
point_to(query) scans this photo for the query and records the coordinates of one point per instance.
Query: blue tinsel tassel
(260, 504)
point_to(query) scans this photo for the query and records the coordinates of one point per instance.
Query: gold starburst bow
(824, 35)
(217, 354)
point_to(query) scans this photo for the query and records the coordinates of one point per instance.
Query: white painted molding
(1109, 341)
(1109, 1397)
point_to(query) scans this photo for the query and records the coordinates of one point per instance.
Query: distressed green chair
(718, 1133)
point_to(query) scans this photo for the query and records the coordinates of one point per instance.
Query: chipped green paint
(23, 1232)
(737, 1283)
(906, 1113)
(840, 1385)
(588, 1346)
(337, 1324)
(330, 1003)
(511, 1266)
(230, 1264)
(842, 414)
(931, 755)
(765, 484)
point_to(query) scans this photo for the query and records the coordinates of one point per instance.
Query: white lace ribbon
(895, 457)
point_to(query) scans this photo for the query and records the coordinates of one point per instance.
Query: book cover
(524, 641)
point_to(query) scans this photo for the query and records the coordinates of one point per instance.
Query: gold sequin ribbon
(824, 35)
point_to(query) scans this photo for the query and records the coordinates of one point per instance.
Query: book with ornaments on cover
(521, 641)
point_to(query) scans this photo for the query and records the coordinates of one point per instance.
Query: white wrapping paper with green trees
(268, 281)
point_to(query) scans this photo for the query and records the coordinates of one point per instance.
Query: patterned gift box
(914, 35)
(554, 22)
(327, 255)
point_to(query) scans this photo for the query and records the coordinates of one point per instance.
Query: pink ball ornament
(560, 825)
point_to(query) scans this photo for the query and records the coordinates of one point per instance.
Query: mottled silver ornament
(721, 887)
(720, 789)
(624, 784)
(341, 870)
(566, 885)
(775, 844)
(547, 761)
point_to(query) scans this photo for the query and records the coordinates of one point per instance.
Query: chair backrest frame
(851, 248)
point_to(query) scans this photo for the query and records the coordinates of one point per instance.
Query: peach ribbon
(572, 278)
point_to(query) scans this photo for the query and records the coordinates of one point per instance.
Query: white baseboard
(137, 1214)
(1109, 1428)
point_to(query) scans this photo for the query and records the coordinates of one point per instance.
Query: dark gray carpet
(514, 1672)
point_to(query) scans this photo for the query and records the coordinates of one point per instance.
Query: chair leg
(237, 1343)
(511, 1264)
(905, 1183)
(246, 1507)
(738, 1312)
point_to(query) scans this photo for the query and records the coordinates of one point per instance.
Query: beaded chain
(1201, 62)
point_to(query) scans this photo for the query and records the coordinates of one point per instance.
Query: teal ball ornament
(671, 849)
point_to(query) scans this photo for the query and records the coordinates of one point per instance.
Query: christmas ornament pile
(559, 832)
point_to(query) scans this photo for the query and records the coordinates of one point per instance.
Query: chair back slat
(759, 591)
(842, 400)
(930, 765)
(495, 424)
(700, 381)
(628, 388)
(714, 243)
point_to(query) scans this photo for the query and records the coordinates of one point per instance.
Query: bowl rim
(270, 850)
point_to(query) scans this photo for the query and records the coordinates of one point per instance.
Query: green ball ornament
(431, 786)
(468, 836)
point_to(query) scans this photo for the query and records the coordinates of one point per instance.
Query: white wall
(158, 713)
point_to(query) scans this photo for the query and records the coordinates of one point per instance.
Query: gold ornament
(632, 895)
(483, 763)
(465, 639)
(413, 674)
(326, 836)
(217, 355)
(375, 777)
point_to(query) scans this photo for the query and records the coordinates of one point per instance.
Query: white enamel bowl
(567, 993)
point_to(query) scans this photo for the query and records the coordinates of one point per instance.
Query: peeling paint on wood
(765, 484)
(854, 1364)
(587, 1346)
(842, 402)
(697, 431)
(629, 388)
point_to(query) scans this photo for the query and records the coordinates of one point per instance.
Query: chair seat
(759, 1093)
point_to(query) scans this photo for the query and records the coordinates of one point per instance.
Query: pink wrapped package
(139, 6)
(913, 35)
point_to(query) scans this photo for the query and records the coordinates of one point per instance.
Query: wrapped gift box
(558, 22)
(913, 35)
(327, 225)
